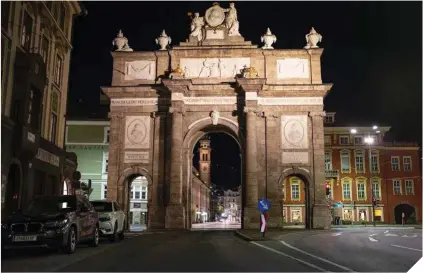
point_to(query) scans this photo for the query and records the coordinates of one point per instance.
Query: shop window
(378, 215)
(296, 215)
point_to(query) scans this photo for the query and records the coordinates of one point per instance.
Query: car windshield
(40, 205)
(102, 206)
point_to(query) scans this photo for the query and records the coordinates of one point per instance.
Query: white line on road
(373, 239)
(373, 235)
(415, 249)
(291, 257)
(406, 236)
(317, 257)
(336, 234)
(391, 234)
(386, 231)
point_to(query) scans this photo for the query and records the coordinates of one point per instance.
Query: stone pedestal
(321, 217)
(251, 217)
(175, 216)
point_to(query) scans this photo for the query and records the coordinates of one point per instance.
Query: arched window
(65, 188)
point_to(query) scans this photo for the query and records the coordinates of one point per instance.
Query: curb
(242, 236)
(357, 228)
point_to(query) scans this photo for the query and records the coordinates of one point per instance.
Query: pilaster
(115, 145)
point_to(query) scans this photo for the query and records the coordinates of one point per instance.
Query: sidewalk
(378, 226)
(271, 234)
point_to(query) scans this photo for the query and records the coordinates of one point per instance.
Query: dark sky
(372, 51)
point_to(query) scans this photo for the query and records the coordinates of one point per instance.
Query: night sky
(372, 53)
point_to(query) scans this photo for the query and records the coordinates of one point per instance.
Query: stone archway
(304, 176)
(197, 130)
(123, 191)
(408, 211)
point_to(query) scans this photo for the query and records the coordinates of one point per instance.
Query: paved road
(217, 225)
(221, 251)
(362, 250)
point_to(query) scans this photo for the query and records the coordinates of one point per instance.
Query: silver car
(111, 219)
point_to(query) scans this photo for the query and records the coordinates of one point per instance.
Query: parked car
(112, 219)
(56, 221)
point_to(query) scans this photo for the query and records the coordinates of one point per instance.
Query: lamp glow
(369, 140)
(353, 131)
(375, 127)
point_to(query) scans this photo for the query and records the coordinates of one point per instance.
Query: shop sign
(48, 157)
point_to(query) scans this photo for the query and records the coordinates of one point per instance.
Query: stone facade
(206, 86)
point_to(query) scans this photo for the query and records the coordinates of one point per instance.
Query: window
(328, 140)
(62, 16)
(395, 163)
(144, 193)
(344, 140)
(407, 163)
(105, 167)
(361, 189)
(397, 187)
(26, 34)
(58, 70)
(44, 48)
(5, 12)
(296, 215)
(358, 140)
(409, 187)
(345, 162)
(328, 161)
(346, 190)
(54, 115)
(375, 163)
(376, 189)
(359, 161)
(104, 191)
(329, 119)
(106, 134)
(295, 188)
(53, 129)
(65, 188)
(137, 195)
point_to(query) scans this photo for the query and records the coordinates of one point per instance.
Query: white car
(111, 219)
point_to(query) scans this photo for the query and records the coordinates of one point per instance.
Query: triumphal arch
(269, 100)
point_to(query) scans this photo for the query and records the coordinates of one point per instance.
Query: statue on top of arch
(216, 17)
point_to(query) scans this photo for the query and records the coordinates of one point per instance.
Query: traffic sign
(263, 222)
(263, 205)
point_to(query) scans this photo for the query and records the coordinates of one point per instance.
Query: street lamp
(370, 140)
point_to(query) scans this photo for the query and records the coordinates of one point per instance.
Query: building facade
(35, 48)
(232, 204)
(89, 140)
(360, 171)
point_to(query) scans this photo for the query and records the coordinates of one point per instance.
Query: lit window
(65, 188)
(361, 190)
(328, 163)
(409, 187)
(375, 163)
(359, 162)
(395, 163)
(346, 190)
(345, 162)
(376, 190)
(397, 187)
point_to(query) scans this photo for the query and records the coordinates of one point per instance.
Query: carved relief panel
(140, 70)
(213, 67)
(294, 132)
(293, 68)
(137, 132)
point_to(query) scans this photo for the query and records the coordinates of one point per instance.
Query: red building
(391, 175)
(360, 167)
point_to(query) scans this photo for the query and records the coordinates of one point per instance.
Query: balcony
(332, 173)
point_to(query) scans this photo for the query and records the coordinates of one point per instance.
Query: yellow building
(35, 61)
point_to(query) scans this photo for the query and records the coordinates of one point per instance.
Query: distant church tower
(205, 160)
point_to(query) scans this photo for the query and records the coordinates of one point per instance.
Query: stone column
(116, 125)
(175, 211)
(251, 215)
(321, 213)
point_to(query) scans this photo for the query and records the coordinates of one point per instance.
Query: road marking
(391, 234)
(386, 231)
(373, 239)
(291, 257)
(317, 257)
(373, 235)
(336, 234)
(406, 236)
(415, 249)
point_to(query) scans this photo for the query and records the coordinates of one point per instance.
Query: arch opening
(136, 189)
(214, 181)
(295, 198)
(409, 214)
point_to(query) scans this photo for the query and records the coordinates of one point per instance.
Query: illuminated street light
(353, 131)
(377, 132)
(375, 127)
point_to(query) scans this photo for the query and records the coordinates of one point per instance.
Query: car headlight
(60, 223)
(105, 219)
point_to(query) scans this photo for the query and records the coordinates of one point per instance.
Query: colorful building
(362, 168)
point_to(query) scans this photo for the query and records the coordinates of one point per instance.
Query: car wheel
(114, 236)
(122, 233)
(96, 238)
(70, 246)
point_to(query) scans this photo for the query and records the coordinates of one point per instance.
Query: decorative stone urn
(120, 41)
(312, 39)
(268, 39)
(163, 40)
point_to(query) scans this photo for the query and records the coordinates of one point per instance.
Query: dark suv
(55, 221)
